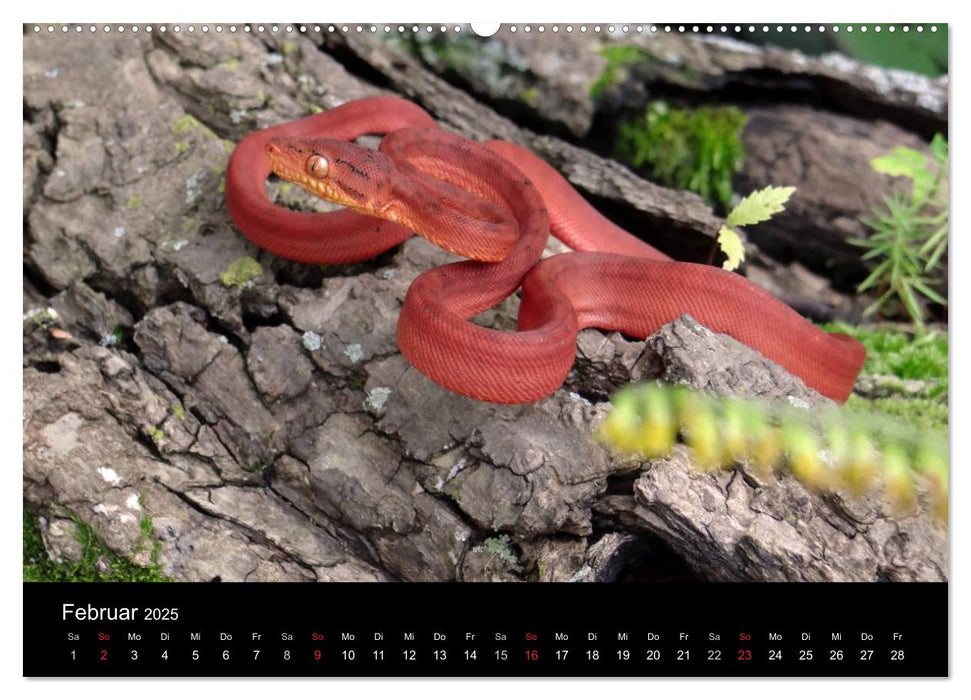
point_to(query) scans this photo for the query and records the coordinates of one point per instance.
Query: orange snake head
(340, 172)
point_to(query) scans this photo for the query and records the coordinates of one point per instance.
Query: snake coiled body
(496, 203)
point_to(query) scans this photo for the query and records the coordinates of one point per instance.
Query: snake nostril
(273, 150)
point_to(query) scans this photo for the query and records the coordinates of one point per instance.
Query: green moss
(898, 353)
(181, 146)
(530, 96)
(187, 124)
(178, 411)
(156, 434)
(184, 124)
(689, 149)
(241, 273)
(931, 414)
(135, 201)
(97, 562)
(231, 64)
(618, 59)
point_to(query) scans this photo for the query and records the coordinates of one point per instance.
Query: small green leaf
(901, 162)
(921, 287)
(759, 206)
(939, 150)
(731, 244)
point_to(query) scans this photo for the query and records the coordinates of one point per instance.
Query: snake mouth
(292, 169)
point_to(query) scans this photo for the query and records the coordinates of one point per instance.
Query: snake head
(338, 171)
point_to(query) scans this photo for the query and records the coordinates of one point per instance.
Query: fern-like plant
(909, 237)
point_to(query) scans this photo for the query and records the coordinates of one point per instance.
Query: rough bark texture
(266, 428)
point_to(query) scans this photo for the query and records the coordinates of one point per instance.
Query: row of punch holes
(486, 31)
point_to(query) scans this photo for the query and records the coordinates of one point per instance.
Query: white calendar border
(832, 11)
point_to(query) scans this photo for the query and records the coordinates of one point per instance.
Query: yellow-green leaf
(901, 162)
(731, 244)
(759, 206)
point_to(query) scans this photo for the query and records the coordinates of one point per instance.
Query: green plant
(825, 449)
(912, 374)
(619, 57)
(498, 547)
(757, 207)
(909, 238)
(690, 149)
(96, 563)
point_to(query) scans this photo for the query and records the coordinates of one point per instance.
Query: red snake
(496, 203)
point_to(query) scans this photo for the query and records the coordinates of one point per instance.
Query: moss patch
(902, 355)
(689, 149)
(97, 563)
(895, 352)
(241, 273)
(618, 59)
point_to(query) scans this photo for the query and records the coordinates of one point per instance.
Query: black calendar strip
(485, 629)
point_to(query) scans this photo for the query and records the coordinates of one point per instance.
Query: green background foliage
(689, 149)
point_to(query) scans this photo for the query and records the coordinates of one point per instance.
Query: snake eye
(317, 166)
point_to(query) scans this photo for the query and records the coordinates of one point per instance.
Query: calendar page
(422, 349)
